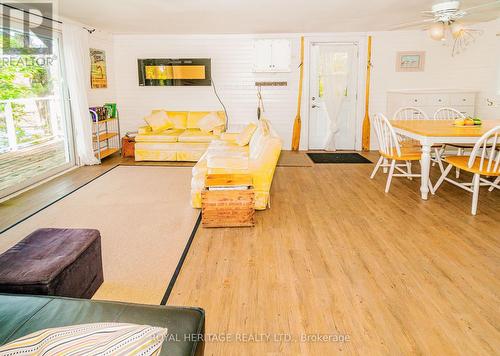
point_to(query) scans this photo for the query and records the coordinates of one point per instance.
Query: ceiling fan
(446, 18)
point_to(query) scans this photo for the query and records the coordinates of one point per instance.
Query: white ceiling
(251, 16)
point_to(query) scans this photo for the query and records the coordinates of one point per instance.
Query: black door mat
(338, 158)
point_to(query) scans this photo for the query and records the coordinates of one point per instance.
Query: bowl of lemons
(468, 122)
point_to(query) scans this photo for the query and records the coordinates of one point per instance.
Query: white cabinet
(272, 56)
(431, 100)
(464, 99)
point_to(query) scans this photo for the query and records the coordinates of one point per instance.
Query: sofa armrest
(144, 130)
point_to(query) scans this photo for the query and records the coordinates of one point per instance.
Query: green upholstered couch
(23, 314)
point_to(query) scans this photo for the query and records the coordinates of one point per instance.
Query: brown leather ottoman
(57, 262)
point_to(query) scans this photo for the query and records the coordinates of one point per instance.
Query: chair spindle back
(489, 161)
(387, 138)
(448, 114)
(410, 113)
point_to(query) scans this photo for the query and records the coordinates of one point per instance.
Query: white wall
(232, 58)
(478, 68)
(232, 61)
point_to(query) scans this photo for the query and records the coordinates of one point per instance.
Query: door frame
(362, 42)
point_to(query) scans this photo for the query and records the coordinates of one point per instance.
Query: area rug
(337, 158)
(294, 159)
(146, 223)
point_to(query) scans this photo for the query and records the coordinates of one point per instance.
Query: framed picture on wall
(410, 61)
(98, 77)
(175, 72)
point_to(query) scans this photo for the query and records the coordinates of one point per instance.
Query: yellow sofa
(184, 142)
(259, 159)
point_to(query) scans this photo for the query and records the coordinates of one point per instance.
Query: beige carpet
(145, 220)
(294, 159)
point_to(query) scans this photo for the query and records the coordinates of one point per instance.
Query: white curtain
(334, 77)
(77, 62)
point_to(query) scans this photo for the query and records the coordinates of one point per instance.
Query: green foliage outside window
(22, 76)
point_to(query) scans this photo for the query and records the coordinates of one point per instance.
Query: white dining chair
(410, 113)
(447, 113)
(483, 161)
(413, 113)
(496, 184)
(390, 149)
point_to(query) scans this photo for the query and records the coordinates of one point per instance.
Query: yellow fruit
(459, 122)
(469, 122)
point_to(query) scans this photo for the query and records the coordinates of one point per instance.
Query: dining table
(439, 132)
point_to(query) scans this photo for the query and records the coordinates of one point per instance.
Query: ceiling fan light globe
(437, 31)
(456, 29)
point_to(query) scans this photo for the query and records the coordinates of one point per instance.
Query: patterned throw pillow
(159, 121)
(245, 136)
(90, 339)
(209, 122)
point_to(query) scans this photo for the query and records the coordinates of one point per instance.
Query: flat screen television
(175, 72)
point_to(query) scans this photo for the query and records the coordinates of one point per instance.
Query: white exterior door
(342, 60)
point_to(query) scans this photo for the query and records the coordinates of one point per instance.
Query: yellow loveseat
(185, 141)
(259, 159)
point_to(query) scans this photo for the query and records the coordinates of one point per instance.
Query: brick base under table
(57, 262)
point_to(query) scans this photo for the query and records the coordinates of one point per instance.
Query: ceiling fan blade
(478, 7)
(411, 24)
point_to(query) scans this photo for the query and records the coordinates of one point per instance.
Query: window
(35, 140)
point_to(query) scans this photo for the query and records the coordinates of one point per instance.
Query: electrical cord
(220, 101)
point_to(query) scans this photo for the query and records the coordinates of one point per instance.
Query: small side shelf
(105, 135)
(107, 120)
(108, 152)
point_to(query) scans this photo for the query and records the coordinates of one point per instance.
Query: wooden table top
(228, 180)
(444, 128)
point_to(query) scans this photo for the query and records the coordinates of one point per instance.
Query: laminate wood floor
(335, 257)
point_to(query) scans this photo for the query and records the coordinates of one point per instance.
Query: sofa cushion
(194, 118)
(245, 136)
(196, 135)
(90, 339)
(171, 135)
(159, 121)
(179, 118)
(210, 122)
(224, 148)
